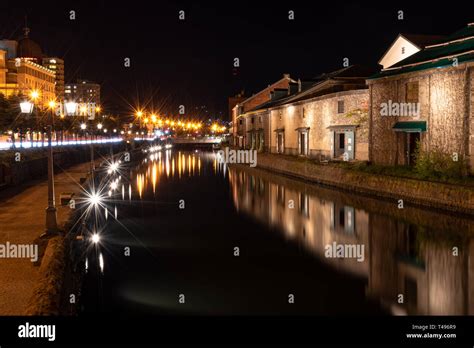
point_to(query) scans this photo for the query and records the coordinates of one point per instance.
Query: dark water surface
(283, 229)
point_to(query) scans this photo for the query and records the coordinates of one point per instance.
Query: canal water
(184, 234)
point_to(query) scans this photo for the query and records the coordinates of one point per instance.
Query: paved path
(22, 221)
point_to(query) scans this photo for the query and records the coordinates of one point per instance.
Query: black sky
(190, 62)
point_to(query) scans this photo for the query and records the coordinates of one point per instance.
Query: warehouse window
(412, 92)
(340, 106)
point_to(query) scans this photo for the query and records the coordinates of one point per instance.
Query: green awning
(410, 126)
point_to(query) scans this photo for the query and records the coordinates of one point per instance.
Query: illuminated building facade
(21, 69)
(23, 76)
(323, 118)
(57, 65)
(83, 91)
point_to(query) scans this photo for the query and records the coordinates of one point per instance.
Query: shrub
(439, 165)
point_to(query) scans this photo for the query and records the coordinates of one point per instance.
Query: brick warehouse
(333, 114)
(239, 133)
(322, 118)
(439, 78)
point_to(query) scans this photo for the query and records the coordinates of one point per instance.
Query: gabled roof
(285, 77)
(352, 71)
(320, 85)
(421, 41)
(467, 31)
(271, 103)
(459, 45)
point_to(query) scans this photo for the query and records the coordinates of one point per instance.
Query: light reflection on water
(408, 252)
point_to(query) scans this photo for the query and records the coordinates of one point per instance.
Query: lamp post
(51, 220)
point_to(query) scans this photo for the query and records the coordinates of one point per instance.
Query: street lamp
(51, 221)
(34, 95)
(26, 107)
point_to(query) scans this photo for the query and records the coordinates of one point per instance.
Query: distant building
(22, 70)
(83, 91)
(23, 76)
(29, 49)
(57, 65)
(233, 101)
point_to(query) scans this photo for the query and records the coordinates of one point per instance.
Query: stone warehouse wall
(470, 127)
(444, 105)
(436, 195)
(320, 113)
(260, 121)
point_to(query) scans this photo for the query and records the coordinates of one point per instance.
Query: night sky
(190, 62)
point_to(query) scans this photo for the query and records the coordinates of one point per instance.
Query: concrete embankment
(450, 197)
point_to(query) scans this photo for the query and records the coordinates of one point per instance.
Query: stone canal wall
(46, 295)
(33, 163)
(436, 195)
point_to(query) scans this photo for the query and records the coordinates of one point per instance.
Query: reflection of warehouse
(406, 260)
(303, 217)
(400, 257)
